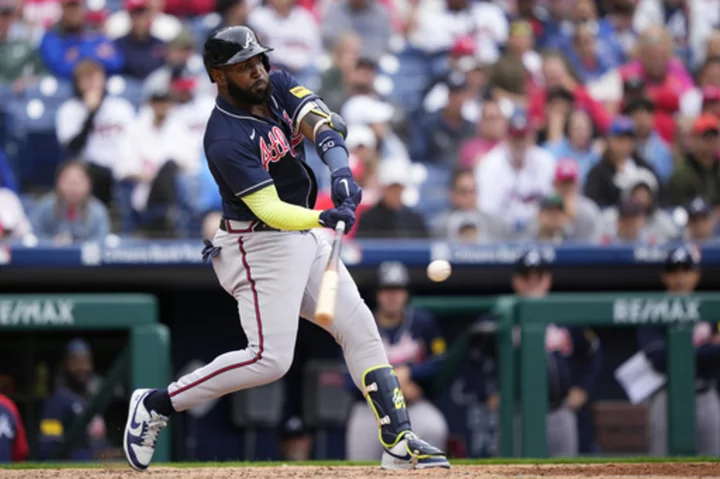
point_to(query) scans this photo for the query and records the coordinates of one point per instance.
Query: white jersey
(147, 148)
(110, 125)
(510, 193)
(296, 38)
(438, 28)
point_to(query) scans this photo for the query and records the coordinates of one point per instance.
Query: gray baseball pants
(707, 414)
(275, 277)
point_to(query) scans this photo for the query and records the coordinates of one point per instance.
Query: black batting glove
(330, 218)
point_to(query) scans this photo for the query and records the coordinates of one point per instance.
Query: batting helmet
(232, 45)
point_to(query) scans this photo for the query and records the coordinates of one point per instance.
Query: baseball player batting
(267, 255)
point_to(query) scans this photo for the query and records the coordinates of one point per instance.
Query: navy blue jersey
(246, 152)
(652, 340)
(59, 412)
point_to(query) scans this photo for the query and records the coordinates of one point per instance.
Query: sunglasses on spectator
(139, 10)
(465, 191)
(677, 268)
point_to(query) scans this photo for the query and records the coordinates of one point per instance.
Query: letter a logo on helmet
(250, 40)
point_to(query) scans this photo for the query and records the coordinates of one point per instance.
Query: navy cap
(622, 125)
(682, 257)
(77, 346)
(531, 259)
(698, 207)
(393, 274)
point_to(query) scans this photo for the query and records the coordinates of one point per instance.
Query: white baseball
(439, 270)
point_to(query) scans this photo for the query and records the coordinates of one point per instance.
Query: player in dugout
(681, 275)
(13, 441)
(574, 358)
(414, 348)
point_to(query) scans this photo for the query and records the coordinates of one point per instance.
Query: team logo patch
(300, 91)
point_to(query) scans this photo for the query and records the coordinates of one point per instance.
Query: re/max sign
(36, 312)
(656, 310)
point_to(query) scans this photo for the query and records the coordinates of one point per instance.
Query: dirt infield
(560, 471)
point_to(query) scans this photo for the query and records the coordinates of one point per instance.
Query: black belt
(255, 225)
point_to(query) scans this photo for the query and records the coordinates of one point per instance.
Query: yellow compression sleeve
(274, 212)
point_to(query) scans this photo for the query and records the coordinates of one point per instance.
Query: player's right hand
(330, 218)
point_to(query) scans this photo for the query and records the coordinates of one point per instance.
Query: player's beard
(243, 96)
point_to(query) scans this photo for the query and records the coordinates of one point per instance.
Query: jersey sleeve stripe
(254, 188)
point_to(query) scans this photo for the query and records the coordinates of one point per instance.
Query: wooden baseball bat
(327, 297)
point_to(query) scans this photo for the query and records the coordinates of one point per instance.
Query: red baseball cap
(135, 4)
(567, 170)
(706, 123)
(463, 46)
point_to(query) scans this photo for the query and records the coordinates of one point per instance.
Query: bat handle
(340, 227)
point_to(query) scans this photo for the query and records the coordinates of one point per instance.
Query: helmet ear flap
(266, 62)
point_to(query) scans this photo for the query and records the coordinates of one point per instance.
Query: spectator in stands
(143, 52)
(681, 275)
(437, 29)
(415, 347)
(336, 81)
(163, 26)
(698, 173)
(76, 384)
(515, 175)
(694, 101)
(574, 141)
(618, 23)
(390, 218)
(182, 62)
(463, 213)
(586, 55)
(436, 138)
(648, 143)
(18, 58)
(367, 18)
(461, 60)
(92, 125)
(689, 23)
(490, 130)
(711, 100)
(557, 75)
(14, 223)
(617, 167)
(70, 42)
(519, 65)
(630, 225)
(71, 213)
(368, 110)
(232, 12)
(7, 176)
(583, 214)
(551, 224)
(701, 221)
(154, 153)
(293, 33)
(643, 188)
(13, 440)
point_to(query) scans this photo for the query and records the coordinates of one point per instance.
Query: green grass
(478, 462)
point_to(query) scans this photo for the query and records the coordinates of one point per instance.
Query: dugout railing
(146, 357)
(524, 368)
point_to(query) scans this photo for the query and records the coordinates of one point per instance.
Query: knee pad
(383, 394)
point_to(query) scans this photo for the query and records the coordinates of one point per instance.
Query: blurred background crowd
(473, 121)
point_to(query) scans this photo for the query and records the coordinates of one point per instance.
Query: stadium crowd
(475, 121)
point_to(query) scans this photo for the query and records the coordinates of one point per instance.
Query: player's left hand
(344, 187)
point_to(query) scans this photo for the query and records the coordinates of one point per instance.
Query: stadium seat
(410, 79)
